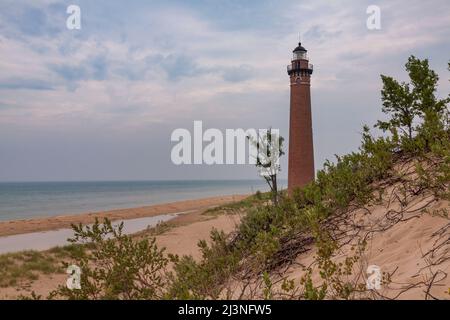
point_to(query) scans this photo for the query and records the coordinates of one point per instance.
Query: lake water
(26, 200)
(49, 239)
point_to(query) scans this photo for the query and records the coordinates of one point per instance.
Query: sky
(100, 103)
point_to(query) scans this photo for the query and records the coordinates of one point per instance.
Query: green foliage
(269, 148)
(116, 266)
(204, 279)
(33, 296)
(267, 291)
(240, 206)
(424, 82)
(260, 219)
(416, 102)
(265, 246)
(339, 280)
(310, 291)
(398, 102)
(26, 265)
(73, 250)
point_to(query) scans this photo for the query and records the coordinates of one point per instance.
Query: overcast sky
(100, 103)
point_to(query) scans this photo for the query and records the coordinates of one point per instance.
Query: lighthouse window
(300, 55)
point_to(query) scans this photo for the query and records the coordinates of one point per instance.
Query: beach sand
(64, 221)
(187, 229)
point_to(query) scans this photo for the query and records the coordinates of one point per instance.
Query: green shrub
(115, 266)
(204, 279)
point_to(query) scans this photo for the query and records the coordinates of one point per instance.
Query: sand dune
(405, 250)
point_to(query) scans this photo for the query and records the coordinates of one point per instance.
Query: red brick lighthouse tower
(301, 152)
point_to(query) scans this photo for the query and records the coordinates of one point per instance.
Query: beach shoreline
(14, 227)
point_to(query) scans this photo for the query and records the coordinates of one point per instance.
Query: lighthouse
(301, 151)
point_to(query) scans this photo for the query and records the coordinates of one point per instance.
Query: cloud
(150, 64)
(177, 66)
(30, 21)
(318, 34)
(238, 74)
(25, 84)
(33, 22)
(92, 68)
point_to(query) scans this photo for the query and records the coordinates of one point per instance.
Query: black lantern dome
(300, 48)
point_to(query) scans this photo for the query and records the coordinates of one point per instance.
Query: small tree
(115, 266)
(269, 149)
(424, 82)
(407, 102)
(398, 102)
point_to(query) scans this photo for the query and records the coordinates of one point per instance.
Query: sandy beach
(14, 227)
(187, 229)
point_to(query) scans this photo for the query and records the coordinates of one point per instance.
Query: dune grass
(23, 266)
(239, 206)
(26, 265)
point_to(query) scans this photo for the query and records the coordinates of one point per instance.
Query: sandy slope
(403, 251)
